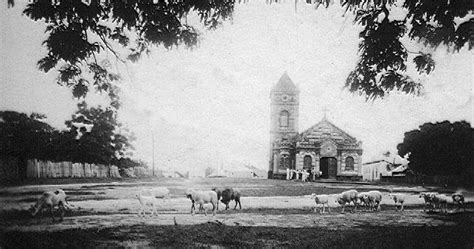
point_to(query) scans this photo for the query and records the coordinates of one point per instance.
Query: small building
(372, 171)
(375, 170)
(172, 174)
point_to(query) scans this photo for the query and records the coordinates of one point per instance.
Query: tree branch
(110, 48)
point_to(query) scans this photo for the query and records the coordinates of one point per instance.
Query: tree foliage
(24, 136)
(79, 31)
(383, 56)
(440, 149)
(93, 135)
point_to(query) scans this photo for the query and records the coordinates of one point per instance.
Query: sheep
(398, 198)
(374, 198)
(229, 194)
(428, 197)
(362, 200)
(146, 201)
(50, 200)
(441, 200)
(458, 198)
(347, 197)
(321, 199)
(201, 198)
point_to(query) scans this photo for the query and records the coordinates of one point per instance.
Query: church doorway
(307, 162)
(328, 166)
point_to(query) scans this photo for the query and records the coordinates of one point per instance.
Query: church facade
(321, 148)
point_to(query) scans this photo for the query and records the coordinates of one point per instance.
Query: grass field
(275, 214)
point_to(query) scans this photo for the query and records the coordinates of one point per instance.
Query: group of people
(304, 174)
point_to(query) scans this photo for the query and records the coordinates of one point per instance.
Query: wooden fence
(47, 169)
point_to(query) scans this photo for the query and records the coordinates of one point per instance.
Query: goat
(50, 200)
(146, 201)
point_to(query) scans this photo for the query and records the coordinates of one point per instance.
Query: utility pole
(153, 150)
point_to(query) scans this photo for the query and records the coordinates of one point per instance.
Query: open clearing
(275, 213)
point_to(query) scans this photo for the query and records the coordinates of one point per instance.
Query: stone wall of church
(341, 157)
(278, 155)
(299, 160)
(343, 170)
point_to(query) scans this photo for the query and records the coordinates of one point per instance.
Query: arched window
(284, 119)
(284, 161)
(349, 163)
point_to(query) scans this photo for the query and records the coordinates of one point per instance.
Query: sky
(210, 106)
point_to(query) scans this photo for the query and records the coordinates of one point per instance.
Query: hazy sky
(211, 106)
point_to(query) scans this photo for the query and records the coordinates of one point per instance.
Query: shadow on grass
(212, 234)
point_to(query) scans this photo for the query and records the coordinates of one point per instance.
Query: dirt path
(275, 213)
(279, 211)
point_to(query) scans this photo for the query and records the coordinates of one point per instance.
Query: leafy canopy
(93, 135)
(383, 58)
(78, 31)
(440, 149)
(24, 136)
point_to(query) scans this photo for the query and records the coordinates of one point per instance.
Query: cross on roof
(325, 110)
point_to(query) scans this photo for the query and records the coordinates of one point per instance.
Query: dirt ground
(274, 213)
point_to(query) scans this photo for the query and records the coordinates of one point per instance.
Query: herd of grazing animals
(148, 200)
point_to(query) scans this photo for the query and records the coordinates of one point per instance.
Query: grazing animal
(219, 194)
(229, 194)
(201, 198)
(374, 198)
(398, 198)
(321, 199)
(347, 197)
(428, 197)
(362, 200)
(441, 200)
(147, 201)
(50, 200)
(458, 198)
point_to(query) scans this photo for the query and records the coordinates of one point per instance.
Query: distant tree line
(442, 148)
(93, 135)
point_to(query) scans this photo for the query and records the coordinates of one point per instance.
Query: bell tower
(284, 113)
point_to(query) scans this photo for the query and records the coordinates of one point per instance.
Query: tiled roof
(285, 84)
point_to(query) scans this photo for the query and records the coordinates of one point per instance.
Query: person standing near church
(287, 173)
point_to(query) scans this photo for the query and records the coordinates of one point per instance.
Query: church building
(321, 148)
